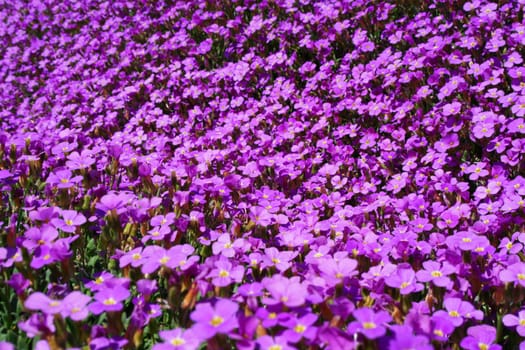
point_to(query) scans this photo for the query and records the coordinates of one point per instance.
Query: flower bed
(262, 174)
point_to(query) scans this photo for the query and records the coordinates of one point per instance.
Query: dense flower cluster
(272, 174)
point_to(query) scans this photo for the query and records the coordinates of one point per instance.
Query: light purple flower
(213, 319)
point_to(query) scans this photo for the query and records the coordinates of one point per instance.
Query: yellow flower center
(521, 276)
(223, 273)
(275, 347)
(109, 301)
(177, 341)
(69, 222)
(164, 260)
(54, 303)
(136, 256)
(454, 313)
(405, 284)
(483, 346)
(300, 328)
(438, 332)
(369, 325)
(216, 321)
(436, 274)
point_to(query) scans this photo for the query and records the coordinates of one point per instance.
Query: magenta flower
(406, 340)
(369, 323)
(76, 161)
(299, 327)
(179, 339)
(280, 259)
(448, 220)
(405, 280)
(436, 272)
(41, 302)
(224, 246)
(267, 342)
(514, 273)
(480, 337)
(516, 321)
(109, 299)
(260, 216)
(457, 310)
(75, 307)
(288, 291)
(70, 220)
(134, 258)
(334, 271)
(63, 179)
(214, 319)
(225, 273)
(441, 328)
(36, 237)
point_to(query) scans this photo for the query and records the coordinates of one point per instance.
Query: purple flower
(274, 257)
(369, 323)
(260, 216)
(267, 342)
(299, 327)
(224, 246)
(214, 319)
(441, 328)
(225, 273)
(458, 309)
(514, 273)
(289, 291)
(41, 302)
(36, 237)
(334, 271)
(405, 280)
(109, 299)
(75, 307)
(70, 220)
(179, 339)
(6, 346)
(516, 321)
(63, 179)
(448, 220)
(437, 273)
(480, 338)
